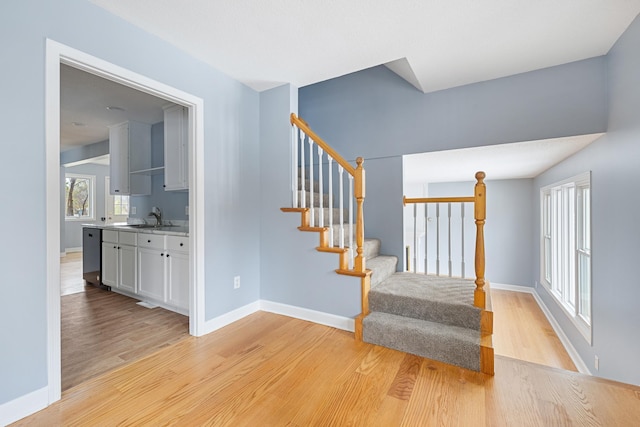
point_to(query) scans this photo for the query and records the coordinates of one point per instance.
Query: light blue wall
(231, 235)
(292, 271)
(172, 203)
(613, 161)
(377, 115)
(508, 229)
(72, 236)
(83, 152)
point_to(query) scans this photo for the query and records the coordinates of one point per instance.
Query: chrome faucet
(158, 214)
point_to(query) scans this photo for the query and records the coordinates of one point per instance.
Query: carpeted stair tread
(449, 344)
(336, 218)
(371, 248)
(316, 199)
(432, 298)
(382, 267)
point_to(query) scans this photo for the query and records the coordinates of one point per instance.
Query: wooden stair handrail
(301, 124)
(480, 211)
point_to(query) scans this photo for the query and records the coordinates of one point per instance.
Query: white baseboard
(338, 322)
(77, 249)
(230, 317)
(24, 406)
(573, 353)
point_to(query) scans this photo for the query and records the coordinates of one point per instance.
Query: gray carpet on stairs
(382, 266)
(432, 298)
(448, 344)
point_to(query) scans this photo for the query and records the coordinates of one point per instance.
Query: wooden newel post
(359, 190)
(479, 296)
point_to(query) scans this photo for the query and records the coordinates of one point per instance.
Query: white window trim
(92, 197)
(576, 319)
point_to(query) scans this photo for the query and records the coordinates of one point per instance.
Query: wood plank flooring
(102, 330)
(271, 370)
(522, 331)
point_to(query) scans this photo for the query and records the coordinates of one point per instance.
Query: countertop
(172, 230)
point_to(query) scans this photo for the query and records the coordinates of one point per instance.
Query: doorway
(57, 54)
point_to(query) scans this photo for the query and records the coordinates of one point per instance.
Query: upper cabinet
(176, 133)
(130, 150)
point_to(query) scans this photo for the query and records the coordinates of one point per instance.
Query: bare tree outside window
(78, 197)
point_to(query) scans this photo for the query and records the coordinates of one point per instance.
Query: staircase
(430, 316)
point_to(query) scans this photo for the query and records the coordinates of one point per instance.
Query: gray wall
(613, 161)
(72, 233)
(377, 115)
(231, 235)
(508, 228)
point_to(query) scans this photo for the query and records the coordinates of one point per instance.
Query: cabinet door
(119, 155)
(127, 264)
(178, 279)
(110, 264)
(151, 274)
(175, 148)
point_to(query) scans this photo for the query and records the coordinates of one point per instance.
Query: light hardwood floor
(271, 370)
(102, 330)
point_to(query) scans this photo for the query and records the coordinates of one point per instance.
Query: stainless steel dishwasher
(92, 255)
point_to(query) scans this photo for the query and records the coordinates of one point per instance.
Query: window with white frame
(79, 197)
(566, 247)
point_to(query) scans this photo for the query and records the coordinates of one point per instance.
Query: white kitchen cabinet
(177, 271)
(176, 161)
(130, 153)
(119, 260)
(110, 264)
(151, 267)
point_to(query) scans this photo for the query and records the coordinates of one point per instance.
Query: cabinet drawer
(178, 243)
(127, 238)
(110, 236)
(154, 241)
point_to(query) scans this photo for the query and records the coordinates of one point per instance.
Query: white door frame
(57, 53)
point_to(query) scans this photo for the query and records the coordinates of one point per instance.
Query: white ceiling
(503, 161)
(433, 44)
(84, 98)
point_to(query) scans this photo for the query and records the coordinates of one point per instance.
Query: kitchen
(141, 252)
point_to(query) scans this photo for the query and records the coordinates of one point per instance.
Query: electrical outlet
(133, 210)
(236, 282)
(596, 363)
(186, 210)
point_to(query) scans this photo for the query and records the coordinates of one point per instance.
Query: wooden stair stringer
(487, 355)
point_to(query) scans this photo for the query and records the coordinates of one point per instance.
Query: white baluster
(352, 250)
(320, 189)
(426, 238)
(415, 237)
(462, 217)
(449, 239)
(437, 239)
(341, 196)
(294, 165)
(302, 171)
(330, 167)
(311, 188)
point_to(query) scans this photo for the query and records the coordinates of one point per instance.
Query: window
(566, 247)
(79, 197)
(117, 206)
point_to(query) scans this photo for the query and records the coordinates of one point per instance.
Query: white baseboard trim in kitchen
(230, 317)
(24, 406)
(573, 353)
(327, 319)
(77, 249)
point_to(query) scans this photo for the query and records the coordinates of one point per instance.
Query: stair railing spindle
(352, 251)
(341, 197)
(330, 167)
(294, 167)
(449, 239)
(320, 188)
(426, 238)
(462, 242)
(302, 171)
(415, 238)
(437, 239)
(311, 187)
